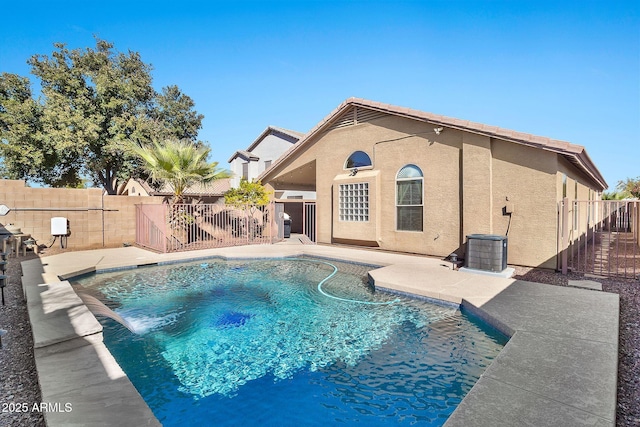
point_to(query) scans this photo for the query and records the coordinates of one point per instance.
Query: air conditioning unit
(486, 252)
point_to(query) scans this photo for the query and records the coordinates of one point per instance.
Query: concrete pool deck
(559, 367)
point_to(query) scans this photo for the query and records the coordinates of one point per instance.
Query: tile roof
(245, 155)
(270, 129)
(216, 188)
(576, 154)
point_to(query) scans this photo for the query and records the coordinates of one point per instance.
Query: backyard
(19, 386)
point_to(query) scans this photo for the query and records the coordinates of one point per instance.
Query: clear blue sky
(569, 70)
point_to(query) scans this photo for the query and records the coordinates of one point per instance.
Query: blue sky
(569, 70)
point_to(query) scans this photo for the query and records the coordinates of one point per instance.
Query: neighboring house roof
(291, 135)
(576, 154)
(216, 188)
(245, 155)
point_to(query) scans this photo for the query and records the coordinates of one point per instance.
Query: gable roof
(575, 154)
(216, 188)
(290, 135)
(245, 155)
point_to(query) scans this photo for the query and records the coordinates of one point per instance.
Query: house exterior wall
(524, 183)
(133, 188)
(269, 149)
(578, 187)
(95, 220)
(472, 184)
(236, 170)
(437, 156)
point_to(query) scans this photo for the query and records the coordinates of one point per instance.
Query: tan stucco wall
(90, 225)
(364, 231)
(524, 180)
(133, 188)
(471, 183)
(436, 155)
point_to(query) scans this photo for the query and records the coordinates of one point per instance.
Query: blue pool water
(257, 343)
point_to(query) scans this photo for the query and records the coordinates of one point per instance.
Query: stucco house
(265, 150)
(411, 181)
(210, 193)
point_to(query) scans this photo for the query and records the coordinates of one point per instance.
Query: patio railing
(182, 227)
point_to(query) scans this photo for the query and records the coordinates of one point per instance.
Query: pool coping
(558, 368)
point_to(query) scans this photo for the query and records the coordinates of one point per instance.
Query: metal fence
(181, 227)
(600, 237)
(309, 225)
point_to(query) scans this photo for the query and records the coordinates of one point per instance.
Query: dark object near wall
(487, 252)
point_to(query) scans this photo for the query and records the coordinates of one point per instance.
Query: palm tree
(179, 163)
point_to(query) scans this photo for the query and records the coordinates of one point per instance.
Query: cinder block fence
(96, 220)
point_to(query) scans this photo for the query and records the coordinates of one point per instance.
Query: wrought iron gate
(600, 237)
(309, 227)
(181, 227)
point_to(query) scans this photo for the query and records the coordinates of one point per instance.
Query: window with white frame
(409, 198)
(354, 202)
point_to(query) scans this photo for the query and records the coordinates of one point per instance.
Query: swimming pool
(258, 343)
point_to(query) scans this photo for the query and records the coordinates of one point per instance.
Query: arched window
(358, 159)
(409, 198)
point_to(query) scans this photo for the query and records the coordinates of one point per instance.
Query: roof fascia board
(244, 155)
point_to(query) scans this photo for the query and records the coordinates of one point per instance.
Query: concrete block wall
(95, 220)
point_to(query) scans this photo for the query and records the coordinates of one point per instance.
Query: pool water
(257, 343)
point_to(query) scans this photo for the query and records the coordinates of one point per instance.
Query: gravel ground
(19, 387)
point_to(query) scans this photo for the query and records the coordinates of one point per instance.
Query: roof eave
(559, 147)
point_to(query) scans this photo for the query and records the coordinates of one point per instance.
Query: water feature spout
(98, 308)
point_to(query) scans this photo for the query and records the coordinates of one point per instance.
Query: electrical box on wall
(508, 208)
(59, 226)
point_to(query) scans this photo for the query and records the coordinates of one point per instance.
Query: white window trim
(395, 200)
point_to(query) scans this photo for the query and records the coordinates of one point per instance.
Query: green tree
(629, 187)
(248, 196)
(94, 104)
(612, 195)
(20, 125)
(175, 114)
(180, 163)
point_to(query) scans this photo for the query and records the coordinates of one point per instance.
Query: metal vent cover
(486, 252)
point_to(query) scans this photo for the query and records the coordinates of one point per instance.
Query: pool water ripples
(221, 334)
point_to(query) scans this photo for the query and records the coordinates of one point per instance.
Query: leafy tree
(612, 195)
(248, 195)
(180, 163)
(95, 103)
(20, 124)
(629, 187)
(174, 110)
